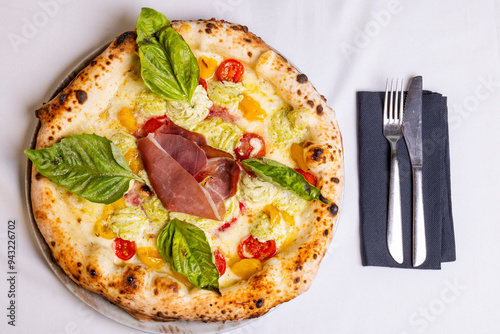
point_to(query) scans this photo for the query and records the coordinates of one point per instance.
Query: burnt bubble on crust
(319, 109)
(333, 209)
(302, 78)
(123, 37)
(62, 98)
(317, 154)
(81, 96)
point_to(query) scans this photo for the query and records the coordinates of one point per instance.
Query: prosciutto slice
(176, 188)
(220, 176)
(189, 155)
(170, 128)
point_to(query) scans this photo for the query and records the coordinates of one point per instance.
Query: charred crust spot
(315, 256)
(296, 280)
(125, 36)
(38, 176)
(223, 311)
(208, 31)
(319, 109)
(251, 307)
(146, 190)
(156, 292)
(310, 103)
(334, 209)
(62, 98)
(259, 302)
(79, 264)
(335, 180)
(235, 28)
(69, 119)
(244, 28)
(325, 232)
(317, 153)
(130, 279)
(81, 96)
(298, 268)
(248, 40)
(79, 220)
(323, 98)
(299, 92)
(159, 314)
(93, 62)
(51, 138)
(53, 243)
(108, 63)
(111, 56)
(318, 219)
(93, 273)
(249, 54)
(301, 78)
(210, 25)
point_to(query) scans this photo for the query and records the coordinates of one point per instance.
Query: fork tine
(385, 101)
(391, 108)
(401, 104)
(396, 111)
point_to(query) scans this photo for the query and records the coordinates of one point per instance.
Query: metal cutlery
(392, 121)
(412, 131)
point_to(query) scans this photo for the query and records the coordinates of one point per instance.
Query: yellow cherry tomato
(207, 67)
(251, 109)
(298, 156)
(102, 230)
(134, 160)
(127, 119)
(246, 268)
(150, 256)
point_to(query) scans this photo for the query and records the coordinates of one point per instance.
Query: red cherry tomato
(227, 225)
(308, 176)
(124, 249)
(153, 124)
(252, 248)
(220, 262)
(245, 149)
(203, 82)
(230, 70)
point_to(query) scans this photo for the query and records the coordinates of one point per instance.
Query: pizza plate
(96, 301)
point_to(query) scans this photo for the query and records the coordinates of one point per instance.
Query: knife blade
(412, 132)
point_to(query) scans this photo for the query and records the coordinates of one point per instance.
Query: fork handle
(394, 224)
(419, 242)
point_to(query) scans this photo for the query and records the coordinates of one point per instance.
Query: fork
(392, 120)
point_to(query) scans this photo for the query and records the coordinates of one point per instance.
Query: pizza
(189, 172)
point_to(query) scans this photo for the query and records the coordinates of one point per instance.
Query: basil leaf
(285, 177)
(168, 66)
(185, 247)
(150, 21)
(89, 166)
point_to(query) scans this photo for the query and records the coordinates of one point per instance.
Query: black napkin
(374, 166)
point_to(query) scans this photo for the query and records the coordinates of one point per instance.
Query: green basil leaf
(168, 66)
(285, 177)
(150, 21)
(89, 166)
(185, 247)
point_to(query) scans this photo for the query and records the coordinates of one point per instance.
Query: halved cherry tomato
(308, 176)
(124, 249)
(203, 82)
(220, 261)
(245, 149)
(252, 248)
(227, 225)
(153, 124)
(230, 70)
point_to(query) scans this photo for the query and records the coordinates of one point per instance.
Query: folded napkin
(374, 169)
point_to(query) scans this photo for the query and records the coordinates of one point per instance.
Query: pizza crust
(147, 294)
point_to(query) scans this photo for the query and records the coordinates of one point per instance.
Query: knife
(412, 131)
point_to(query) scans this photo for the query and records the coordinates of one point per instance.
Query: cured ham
(176, 188)
(220, 176)
(189, 155)
(170, 128)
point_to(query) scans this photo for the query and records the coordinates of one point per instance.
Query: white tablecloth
(343, 47)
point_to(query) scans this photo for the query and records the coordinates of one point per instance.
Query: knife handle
(394, 222)
(419, 242)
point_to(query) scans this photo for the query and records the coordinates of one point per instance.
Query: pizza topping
(219, 134)
(272, 224)
(251, 109)
(207, 67)
(168, 127)
(89, 166)
(155, 211)
(168, 66)
(220, 262)
(126, 118)
(285, 177)
(230, 70)
(286, 126)
(203, 83)
(211, 152)
(101, 229)
(297, 153)
(129, 223)
(252, 248)
(150, 256)
(189, 155)
(124, 249)
(221, 176)
(226, 94)
(308, 176)
(245, 268)
(187, 114)
(150, 105)
(222, 112)
(175, 187)
(186, 249)
(251, 146)
(134, 160)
